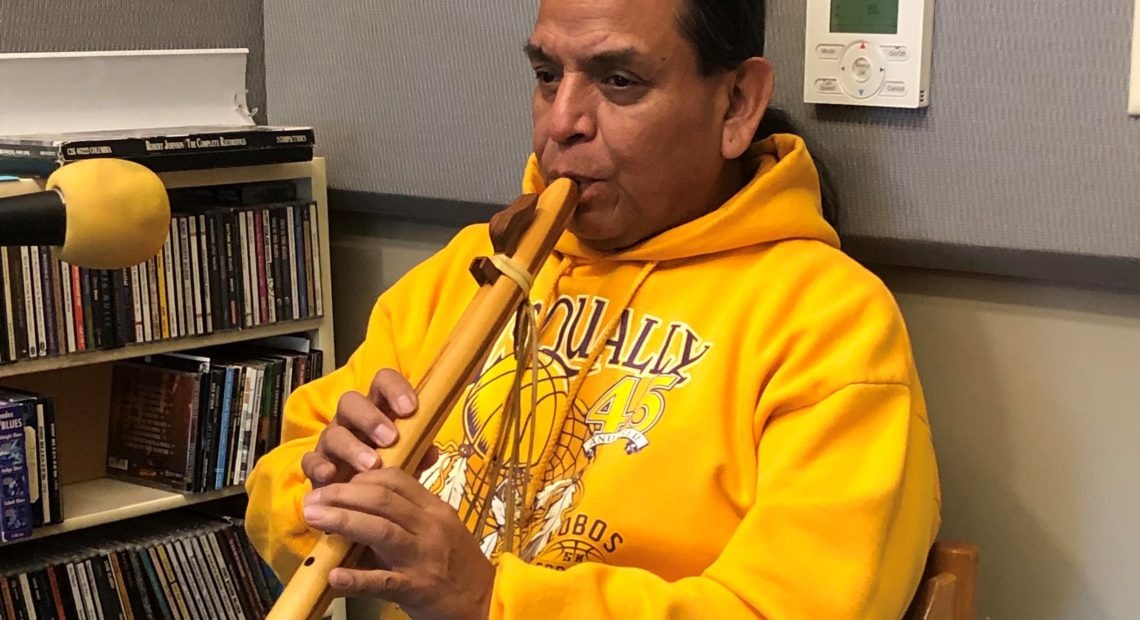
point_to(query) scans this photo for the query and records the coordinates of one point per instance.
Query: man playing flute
(727, 421)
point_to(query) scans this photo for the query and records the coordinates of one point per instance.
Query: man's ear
(751, 92)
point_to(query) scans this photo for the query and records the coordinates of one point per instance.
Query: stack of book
(160, 149)
(237, 257)
(198, 421)
(30, 494)
(174, 565)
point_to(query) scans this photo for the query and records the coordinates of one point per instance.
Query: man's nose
(572, 117)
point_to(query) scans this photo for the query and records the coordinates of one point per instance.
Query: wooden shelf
(150, 348)
(106, 500)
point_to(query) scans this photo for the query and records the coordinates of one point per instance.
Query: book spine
(59, 288)
(57, 594)
(208, 275)
(233, 276)
(120, 294)
(51, 442)
(318, 293)
(196, 274)
(162, 290)
(18, 335)
(219, 296)
(281, 288)
(123, 586)
(297, 259)
(172, 298)
(77, 309)
(34, 462)
(152, 298)
(15, 506)
(143, 307)
(249, 269)
(18, 597)
(90, 308)
(36, 286)
(287, 285)
(207, 420)
(224, 430)
(10, 351)
(264, 267)
(132, 286)
(187, 274)
(68, 305)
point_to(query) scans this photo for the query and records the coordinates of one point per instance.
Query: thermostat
(869, 52)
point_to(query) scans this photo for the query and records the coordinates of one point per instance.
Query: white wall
(1032, 391)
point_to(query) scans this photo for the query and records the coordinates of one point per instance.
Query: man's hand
(425, 559)
(362, 423)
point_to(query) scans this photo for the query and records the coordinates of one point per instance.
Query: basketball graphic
(485, 399)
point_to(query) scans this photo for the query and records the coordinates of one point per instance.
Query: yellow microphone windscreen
(118, 213)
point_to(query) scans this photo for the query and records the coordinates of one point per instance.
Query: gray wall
(409, 97)
(102, 25)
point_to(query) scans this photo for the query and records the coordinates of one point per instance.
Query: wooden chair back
(949, 586)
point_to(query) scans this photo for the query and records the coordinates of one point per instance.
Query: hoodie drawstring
(596, 348)
(507, 435)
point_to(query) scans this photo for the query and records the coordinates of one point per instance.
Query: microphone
(96, 213)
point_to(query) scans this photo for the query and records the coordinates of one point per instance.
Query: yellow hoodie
(749, 442)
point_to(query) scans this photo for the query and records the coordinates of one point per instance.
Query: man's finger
(357, 413)
(318, 469)
(392, 392)
(400, 482)
(375, 583)
(338, 444)
(379, 533)
(369, 499)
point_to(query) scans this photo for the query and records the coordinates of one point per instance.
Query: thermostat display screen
(865, 16)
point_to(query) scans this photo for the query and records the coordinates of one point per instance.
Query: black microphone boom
(33, 219)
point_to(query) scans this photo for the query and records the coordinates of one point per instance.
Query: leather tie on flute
(526, 233)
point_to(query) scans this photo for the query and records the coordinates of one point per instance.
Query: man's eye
(619, 81)
(544, 76)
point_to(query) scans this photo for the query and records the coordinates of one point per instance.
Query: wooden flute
(526, 233)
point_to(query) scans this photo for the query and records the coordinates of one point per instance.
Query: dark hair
(725, 33)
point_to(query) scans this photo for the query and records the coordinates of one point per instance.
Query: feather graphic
(555, 500)
(431, 475)
(490, 541)
(498, 508)
(452, 491)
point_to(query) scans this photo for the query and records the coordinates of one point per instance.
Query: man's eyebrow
(599, 62)
(605, 61)
(535, 53)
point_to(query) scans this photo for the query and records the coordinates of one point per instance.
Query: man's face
(620, 107)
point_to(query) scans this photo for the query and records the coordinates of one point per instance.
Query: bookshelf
(80, 382)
